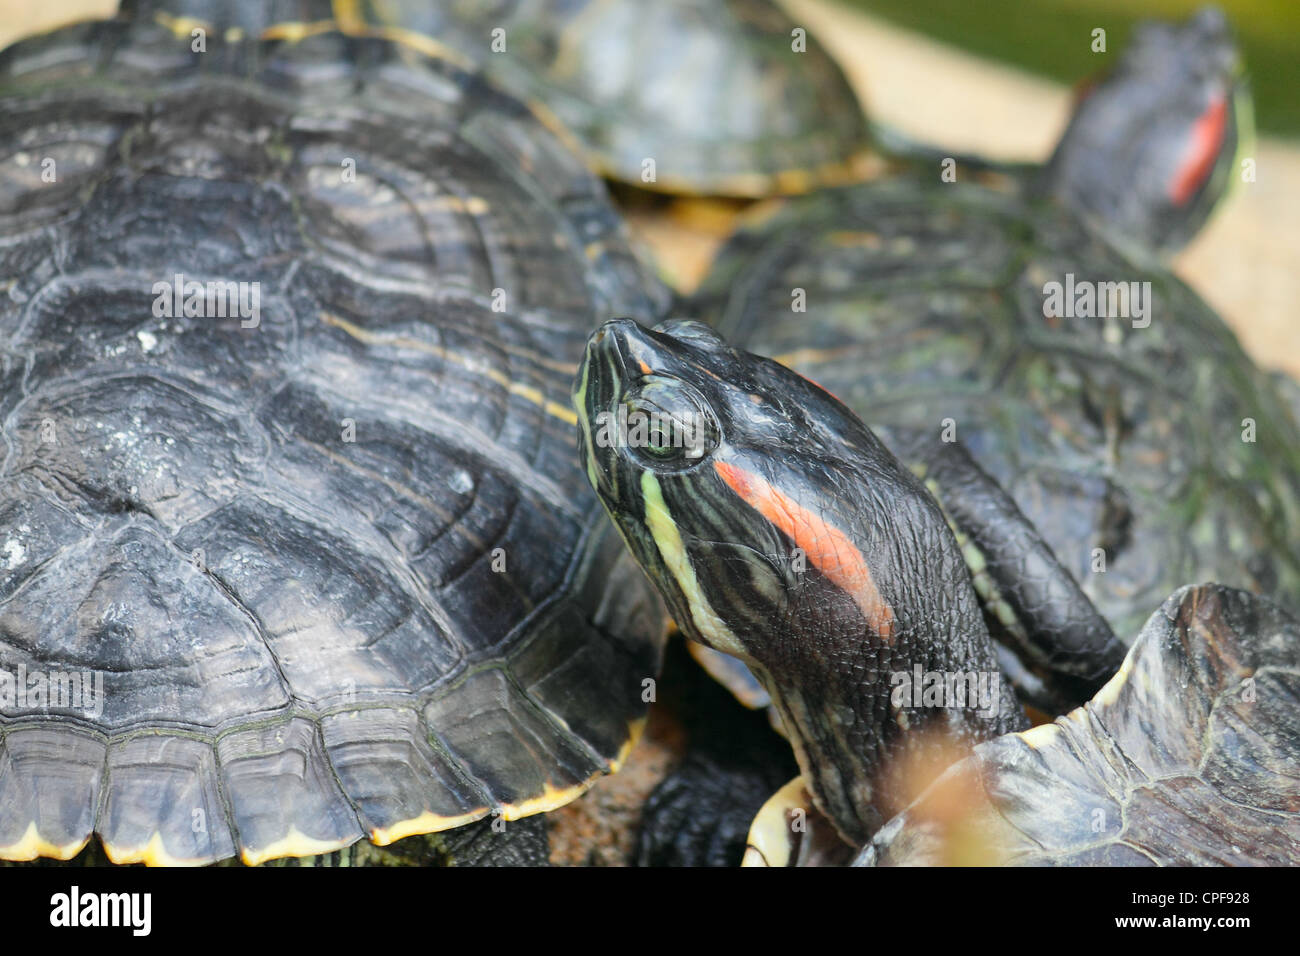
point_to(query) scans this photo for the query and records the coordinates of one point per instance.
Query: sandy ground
(18, 18)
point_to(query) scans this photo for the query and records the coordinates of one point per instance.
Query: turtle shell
(294, 544)
(726, 97)
(1148, 451)
(1188, 757)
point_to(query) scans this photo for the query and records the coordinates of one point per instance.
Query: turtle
(1148, 450)
(688, 97)
(782, 530)
(1151, 145)
(1107, 397)
(921, 303)
(295, 549)
(1145, 456)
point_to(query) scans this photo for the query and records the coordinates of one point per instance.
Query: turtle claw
(700, 815)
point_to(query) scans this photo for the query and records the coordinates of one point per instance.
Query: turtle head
(782, 531)
(729, 477)
(1150, 148)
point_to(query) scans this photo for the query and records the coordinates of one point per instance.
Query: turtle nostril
(618, 334)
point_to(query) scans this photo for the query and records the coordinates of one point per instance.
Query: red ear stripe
(827, 547)
(1202, 151)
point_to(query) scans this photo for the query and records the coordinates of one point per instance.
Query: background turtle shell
(712, 90)
(924, 303)
(300, 631)
(1188, 757)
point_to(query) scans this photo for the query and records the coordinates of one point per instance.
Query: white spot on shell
(148, 341)
(461, 482)
(14, 554)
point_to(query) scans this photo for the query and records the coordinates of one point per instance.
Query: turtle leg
(496, 843)
(1032, 603)
(700, 814)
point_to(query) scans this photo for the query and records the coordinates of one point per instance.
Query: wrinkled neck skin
(841, 670)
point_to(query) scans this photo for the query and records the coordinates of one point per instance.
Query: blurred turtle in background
(701, 97)
(731, 101)
(1150, 147)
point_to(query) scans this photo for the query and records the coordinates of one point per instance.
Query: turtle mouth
(623, 347)
(602, 378)
(613, 365)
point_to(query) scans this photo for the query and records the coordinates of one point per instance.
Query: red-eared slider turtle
(719, 97)
(1151, 146)
(782, 531)
(1100, 391)
(295, 548)
(1146, 456)
(1148, 449)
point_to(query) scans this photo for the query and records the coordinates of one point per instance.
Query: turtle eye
(661, 442)
(668, 422)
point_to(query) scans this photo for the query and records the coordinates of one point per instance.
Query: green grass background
(1053, 38)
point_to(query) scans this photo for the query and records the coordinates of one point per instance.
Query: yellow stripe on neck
(669, 542)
